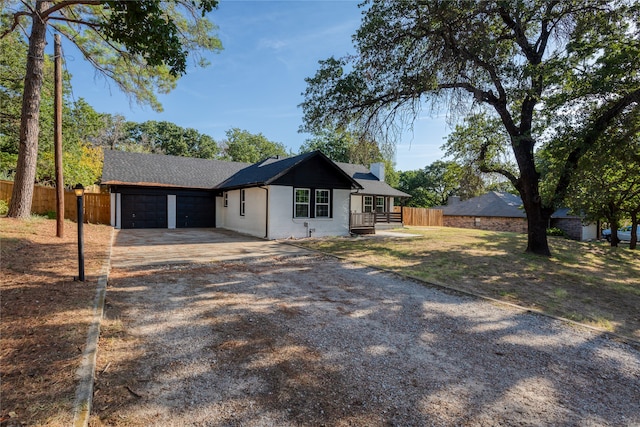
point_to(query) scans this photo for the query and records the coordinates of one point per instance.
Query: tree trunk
(634, 230)
(528, 186)
(22, 195)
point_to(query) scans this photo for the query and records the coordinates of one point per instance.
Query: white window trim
(327, 203)
(296, 203)
(365, 204)
(242, 202)
(384, 203)
(226, 199)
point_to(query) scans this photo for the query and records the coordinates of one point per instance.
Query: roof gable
(287, 171)
(370, 183)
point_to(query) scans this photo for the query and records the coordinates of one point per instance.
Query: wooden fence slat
(421, 217)
(97, 206)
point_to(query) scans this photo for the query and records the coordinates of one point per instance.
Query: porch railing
(388, 217)
(362, 220)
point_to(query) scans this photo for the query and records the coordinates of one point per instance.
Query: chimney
(452, 200)
(378, 170)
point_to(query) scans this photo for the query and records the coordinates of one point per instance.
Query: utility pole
(57, 138)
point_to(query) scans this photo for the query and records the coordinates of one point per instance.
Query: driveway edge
(86, 371)
(612, 335)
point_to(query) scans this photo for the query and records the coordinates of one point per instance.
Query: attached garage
(158, 191)
(149, 207)
(143, 211)
(196, 210)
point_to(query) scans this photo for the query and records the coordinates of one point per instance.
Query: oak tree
(517, 59)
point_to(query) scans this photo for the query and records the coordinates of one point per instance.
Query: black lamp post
(79, 190)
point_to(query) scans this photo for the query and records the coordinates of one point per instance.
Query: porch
(367, 222)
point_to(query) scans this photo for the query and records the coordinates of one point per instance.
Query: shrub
(555, 231)
(4, 207)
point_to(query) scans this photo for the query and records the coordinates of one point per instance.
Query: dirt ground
(309, 340)
(45, 317)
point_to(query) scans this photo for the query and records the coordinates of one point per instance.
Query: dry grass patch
(45, 316)
(588, 282)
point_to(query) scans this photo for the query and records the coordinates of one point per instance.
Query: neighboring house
(573, 225)
(300, 196)
(498, 211)
(493, 211)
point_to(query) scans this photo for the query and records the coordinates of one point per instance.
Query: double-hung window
(367, 204)
(302, 202)
(226, 199)
(380, 204)
(322, 204)
(242, 202)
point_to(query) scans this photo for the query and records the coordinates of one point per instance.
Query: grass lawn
(591, 283)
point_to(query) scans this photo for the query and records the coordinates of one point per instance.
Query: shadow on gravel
(312, 341)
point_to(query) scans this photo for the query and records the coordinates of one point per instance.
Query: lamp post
(79, 190)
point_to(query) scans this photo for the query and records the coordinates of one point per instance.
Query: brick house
(498, 211)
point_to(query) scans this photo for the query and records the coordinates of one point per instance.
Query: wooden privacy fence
(97, 207)
(421, 217)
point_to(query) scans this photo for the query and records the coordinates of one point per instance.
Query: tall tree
(517, 59)
(435, 183)
(169, 138)
(606, 184)
(243, 146)
(141, 45)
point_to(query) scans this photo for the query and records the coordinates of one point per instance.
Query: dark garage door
(195, 211)
(144, 211)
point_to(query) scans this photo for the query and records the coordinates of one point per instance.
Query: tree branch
(56, 7)
(597, 128)
(16, 22)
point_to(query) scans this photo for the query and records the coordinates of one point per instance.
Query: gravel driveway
(287, 338)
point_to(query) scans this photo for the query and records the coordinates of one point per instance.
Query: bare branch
(66, 3)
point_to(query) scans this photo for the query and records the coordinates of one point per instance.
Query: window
(301, 203)
(380, 204)
(367, 204)
(242, 202)
(322, 204)
(226, 199)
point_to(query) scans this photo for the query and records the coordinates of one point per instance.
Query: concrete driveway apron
(149, 247)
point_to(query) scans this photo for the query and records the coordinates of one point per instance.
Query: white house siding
(356, 203)
(589, 232)
(171, 211)
(253, 221)
(283, 225)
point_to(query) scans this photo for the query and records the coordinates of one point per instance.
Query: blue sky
(256, 82)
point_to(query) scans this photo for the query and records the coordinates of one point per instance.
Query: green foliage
(333, 144)
(554, 231)
(547, 71)
(243, 146)
(4, 207)
(434, 184)
(142, 46)
(167, 138)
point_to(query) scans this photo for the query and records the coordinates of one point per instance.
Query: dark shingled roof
(267, 171)
(124, 168)
(370, 183)
(492, 204)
